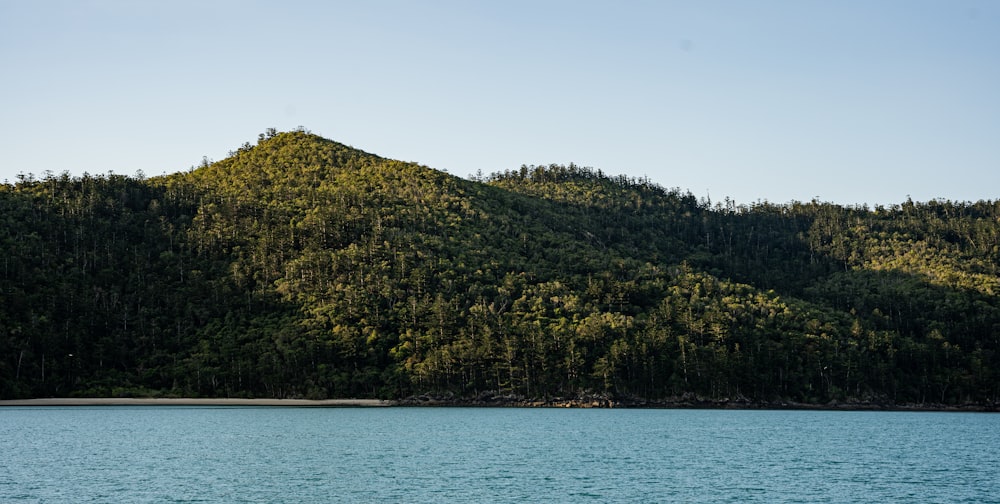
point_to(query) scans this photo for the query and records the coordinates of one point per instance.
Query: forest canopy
(302, 267)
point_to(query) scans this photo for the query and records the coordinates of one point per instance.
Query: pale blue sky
(849, 101)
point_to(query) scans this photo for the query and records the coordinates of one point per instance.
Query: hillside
(301, 267)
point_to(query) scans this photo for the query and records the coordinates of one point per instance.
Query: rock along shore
(687, 401)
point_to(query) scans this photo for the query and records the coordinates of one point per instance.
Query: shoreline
(490, 402)
(158, 401)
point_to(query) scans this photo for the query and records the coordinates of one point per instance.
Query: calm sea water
(246, 454)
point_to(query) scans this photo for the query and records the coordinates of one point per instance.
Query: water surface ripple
(247, 454)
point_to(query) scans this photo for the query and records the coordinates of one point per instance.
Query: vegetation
(300, 267)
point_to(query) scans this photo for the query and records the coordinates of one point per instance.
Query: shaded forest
(301, 267)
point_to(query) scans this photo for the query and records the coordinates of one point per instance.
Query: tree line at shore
(301, 267)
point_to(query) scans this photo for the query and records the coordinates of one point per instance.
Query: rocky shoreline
(688, 401)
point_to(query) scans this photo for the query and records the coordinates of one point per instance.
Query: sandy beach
(108, 401)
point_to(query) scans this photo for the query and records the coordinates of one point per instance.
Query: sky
(851, 102)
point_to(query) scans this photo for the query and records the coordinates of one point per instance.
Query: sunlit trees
(302, 267)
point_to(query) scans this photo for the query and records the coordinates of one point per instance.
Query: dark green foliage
(300, 267)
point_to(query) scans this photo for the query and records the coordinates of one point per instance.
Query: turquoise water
(246, 454)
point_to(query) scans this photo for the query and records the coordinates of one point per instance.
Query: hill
(301, 267)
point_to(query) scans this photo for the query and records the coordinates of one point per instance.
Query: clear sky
(865, 101)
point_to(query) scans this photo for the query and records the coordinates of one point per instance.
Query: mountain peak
(280, 159)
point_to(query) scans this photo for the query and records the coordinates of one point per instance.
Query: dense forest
(301, 267)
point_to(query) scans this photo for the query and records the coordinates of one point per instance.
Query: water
(246, 454)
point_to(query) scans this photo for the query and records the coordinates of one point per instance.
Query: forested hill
(300, 267)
